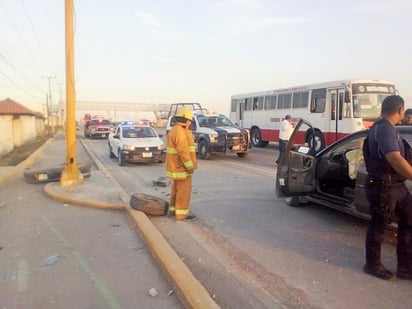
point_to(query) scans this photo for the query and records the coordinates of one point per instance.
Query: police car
(333, 177)
(131, 142)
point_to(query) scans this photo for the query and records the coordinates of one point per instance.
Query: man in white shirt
(286, 129)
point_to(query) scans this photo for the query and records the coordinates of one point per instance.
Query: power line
(14, 67)
(8, 60)
(9, 48)
(18, 86)
(35, 35)
(19, 34)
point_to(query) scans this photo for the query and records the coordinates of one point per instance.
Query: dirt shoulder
(19, 154)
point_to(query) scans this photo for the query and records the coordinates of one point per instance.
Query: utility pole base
(71, 176)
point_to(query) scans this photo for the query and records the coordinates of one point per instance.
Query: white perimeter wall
(6, 136)
(18, 131)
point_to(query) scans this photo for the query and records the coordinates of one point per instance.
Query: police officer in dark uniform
(386, 158)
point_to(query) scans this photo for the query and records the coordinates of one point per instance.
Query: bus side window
(255, 103)
(317, 105)
(248, 104)
(258, 103)
(318, 101)
(313, 106)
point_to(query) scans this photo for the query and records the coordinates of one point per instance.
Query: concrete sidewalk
(101, 190)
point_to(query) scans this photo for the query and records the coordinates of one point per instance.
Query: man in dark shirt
(385, 158)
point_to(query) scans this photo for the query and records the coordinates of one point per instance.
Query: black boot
(190, 217)
(378, 271)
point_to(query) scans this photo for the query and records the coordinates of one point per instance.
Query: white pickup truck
(136, 143)
(213, 133)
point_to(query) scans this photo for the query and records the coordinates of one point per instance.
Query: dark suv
(213, 133)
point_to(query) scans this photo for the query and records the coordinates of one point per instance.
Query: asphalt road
(56, 255)
(251, 250)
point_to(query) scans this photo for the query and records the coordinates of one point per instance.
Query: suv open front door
(296, 170)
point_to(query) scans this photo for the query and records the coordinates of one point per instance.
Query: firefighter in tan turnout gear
(180, 164)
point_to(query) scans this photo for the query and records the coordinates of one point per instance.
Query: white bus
(335, 108)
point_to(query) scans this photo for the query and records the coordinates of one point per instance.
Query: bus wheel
(319, 138)
(257, 138)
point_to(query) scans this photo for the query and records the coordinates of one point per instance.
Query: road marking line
(262, 170)
(98, 284)
(22, 276)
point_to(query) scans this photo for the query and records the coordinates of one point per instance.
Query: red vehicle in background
(87, 117)
(97, 127)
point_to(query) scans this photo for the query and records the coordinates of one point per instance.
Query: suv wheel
(294, 201)
(204, 154)
(111, 154)
(120, 158)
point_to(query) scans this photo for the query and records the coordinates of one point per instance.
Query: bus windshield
(367, 106)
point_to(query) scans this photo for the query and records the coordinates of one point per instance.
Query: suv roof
(195, 107)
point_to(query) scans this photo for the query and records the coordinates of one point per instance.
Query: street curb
(190, 291)
(62, 194)
(24, 164)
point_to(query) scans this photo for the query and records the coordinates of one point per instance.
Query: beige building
(18, 125)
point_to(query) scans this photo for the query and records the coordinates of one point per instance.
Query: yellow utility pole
(71, 174)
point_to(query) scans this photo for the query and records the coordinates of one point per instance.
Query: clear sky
(166, 51)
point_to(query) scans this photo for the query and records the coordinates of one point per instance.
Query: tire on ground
(149, 204)
(293, 201)
(320, 141)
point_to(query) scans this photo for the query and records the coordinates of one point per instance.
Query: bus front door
(336, 103)
(240, 112)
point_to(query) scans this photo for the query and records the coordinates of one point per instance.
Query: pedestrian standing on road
(286, 129)
(180, 164)
(407, 118)
(386, 157)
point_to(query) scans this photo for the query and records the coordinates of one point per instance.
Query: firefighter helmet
(185, 113)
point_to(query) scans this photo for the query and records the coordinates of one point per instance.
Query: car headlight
(161, 147)
(128, 147)
(213, 137)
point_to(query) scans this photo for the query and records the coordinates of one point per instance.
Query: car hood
(143, 142)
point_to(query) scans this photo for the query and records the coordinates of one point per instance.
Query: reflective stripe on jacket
(180, 152)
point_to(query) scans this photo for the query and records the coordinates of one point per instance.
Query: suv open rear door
(296, 171)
